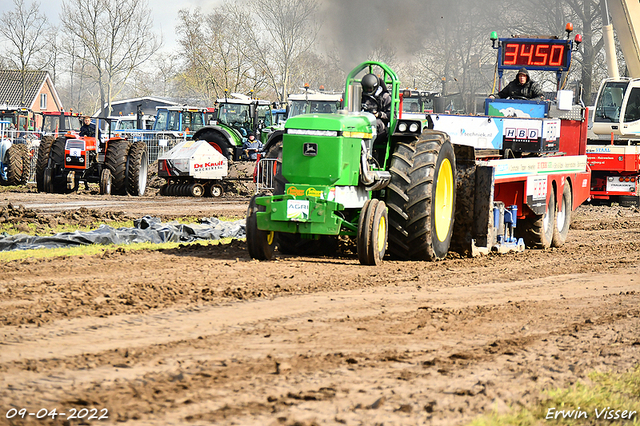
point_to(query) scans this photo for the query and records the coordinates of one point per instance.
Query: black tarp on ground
(147, 229)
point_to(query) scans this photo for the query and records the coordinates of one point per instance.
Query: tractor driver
(376, 100)
(88, 128)
(521, 87)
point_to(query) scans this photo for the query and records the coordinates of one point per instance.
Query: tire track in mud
(427, 353)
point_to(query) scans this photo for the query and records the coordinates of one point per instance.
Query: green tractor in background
(234, 118)
(334, 176)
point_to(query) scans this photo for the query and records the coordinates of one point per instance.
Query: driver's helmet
(369, 84)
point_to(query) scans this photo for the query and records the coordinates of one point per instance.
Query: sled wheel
(137, 169)
(216, 191)
(421, 197)
(197, 190)
(43, 160)
(260, 243)
(106, 181)
(563, 217)
(537, 230)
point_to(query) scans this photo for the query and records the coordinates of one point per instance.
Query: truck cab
(179, 121)
(59, 123)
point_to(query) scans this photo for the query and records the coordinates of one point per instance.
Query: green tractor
(234, 118)
(334, 176)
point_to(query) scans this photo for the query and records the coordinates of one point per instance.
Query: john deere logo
(310, 149)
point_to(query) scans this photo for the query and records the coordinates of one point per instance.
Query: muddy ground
(204, 335)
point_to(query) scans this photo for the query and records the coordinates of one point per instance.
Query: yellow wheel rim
(270, 237)
(382, 234)
(443, 204)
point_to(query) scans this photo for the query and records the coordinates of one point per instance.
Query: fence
(265, 173)
(157, 143)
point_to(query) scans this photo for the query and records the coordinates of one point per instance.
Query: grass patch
(605, 392)
(95, 249)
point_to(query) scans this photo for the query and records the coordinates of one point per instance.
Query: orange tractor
(119, 166)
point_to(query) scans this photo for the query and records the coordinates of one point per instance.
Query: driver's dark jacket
(529, 90)
(380, 102)
(89, 130)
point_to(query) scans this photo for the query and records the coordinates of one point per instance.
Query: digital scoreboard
(534, 54)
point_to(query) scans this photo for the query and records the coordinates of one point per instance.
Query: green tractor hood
(325, 149)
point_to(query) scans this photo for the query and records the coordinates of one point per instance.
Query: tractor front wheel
(106, 180)
(260, 243)
(372, 232)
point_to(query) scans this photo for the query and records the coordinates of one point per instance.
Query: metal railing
(157, 143)
(265, 174)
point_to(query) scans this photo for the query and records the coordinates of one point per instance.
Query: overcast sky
(164, 13)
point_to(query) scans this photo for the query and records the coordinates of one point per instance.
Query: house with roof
(37, 94)
(148, 106)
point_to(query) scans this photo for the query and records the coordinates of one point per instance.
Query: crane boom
(626, 21)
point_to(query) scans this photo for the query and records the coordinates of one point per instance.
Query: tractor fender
(273, 139)
(216, 130)
(5, 144)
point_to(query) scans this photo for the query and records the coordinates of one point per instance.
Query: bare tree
(116, 37)
(459, 63)
(216, 54)
(24, 28)
(283, 32)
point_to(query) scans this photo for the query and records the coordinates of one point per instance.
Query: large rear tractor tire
(116, 161)
(18, 165)
(219, 142)
(138, 169)
(421, 197)
(260, 243)
(43, 160)
(58, 183)
(563, 218)
(537, 230)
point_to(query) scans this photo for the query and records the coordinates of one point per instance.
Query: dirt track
(201, 335)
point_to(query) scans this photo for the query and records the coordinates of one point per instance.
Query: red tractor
(117, 165)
